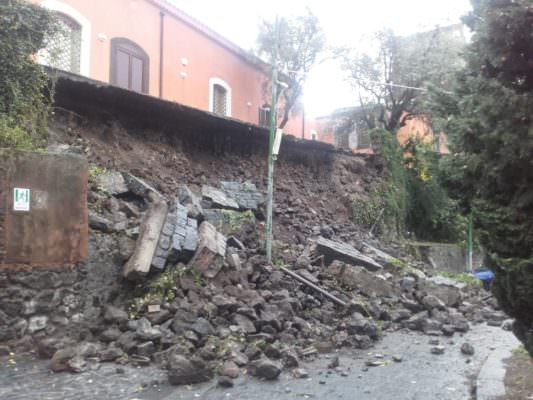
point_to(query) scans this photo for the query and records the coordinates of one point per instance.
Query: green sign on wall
(21, 199)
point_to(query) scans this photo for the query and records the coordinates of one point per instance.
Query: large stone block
(214, 198)
(147, 242)
(164, 245)
(190, 201)
(344, 252)
(209, 257)
(184, 239)
(138, 186)
(245, 194)
(112, 182)
(359, 278)
(182, 371)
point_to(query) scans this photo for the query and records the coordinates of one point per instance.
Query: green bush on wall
(24, 102)
(386, 206)
(412, 196)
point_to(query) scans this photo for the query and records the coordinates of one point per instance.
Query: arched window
(129, 65)
(69, 48)
(63, 50)
(220, 100)
(264, 115)
(219, 97)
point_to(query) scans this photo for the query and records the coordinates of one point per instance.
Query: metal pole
(303, 122)
(273, 123)
(470, 245)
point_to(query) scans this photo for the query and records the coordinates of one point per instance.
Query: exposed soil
(307, 194)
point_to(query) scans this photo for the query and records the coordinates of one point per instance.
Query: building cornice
(172, 10)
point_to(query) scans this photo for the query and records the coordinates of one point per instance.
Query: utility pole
(273, 123)
(470, 244)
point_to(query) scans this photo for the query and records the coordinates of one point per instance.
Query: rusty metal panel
(43, 209)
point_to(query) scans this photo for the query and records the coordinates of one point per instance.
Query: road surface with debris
(406, 369)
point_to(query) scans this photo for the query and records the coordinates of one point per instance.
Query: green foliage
(160, 290)
(12, 134)
(502, 34)
(488, 118)
(412, 196)
(409, 62)
(366, 211)
(392, 195)
(402, 267)
(491, 134)
(399, 264)
(467, 279)
(24, 105)
(95, 171)
(520, 351)
(233, 222)
(432, 214)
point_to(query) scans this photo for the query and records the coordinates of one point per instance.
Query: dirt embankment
(311, 190)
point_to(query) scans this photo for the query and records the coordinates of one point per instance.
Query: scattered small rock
(467, 349)
(265, 369)
(185, 372)
(437, 350)
(4, 351)
(334, 363)
(225, 382)
(374, 363)
(300, 373)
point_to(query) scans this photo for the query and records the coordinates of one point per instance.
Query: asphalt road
(420, 375)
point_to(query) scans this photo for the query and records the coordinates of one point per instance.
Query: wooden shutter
(129, 66)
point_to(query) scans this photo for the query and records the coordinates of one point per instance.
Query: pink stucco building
(152, 47)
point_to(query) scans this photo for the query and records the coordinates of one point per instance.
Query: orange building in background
(419, 127)
(152, 47)
(347, 128)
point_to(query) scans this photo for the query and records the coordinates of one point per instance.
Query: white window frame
(85, 51)
(224, 84)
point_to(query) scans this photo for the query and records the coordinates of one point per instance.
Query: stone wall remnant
(214, 198)
(245, 194)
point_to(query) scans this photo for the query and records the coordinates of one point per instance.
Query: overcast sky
(344, 23)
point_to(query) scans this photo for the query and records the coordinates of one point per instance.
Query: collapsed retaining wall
(226, 305)
(168, 145)
(37, 303)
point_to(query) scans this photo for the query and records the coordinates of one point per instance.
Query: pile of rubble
(208, 303)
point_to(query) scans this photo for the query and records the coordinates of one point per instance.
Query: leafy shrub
(24, 99)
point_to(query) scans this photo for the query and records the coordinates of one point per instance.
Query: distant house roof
(169, 8)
